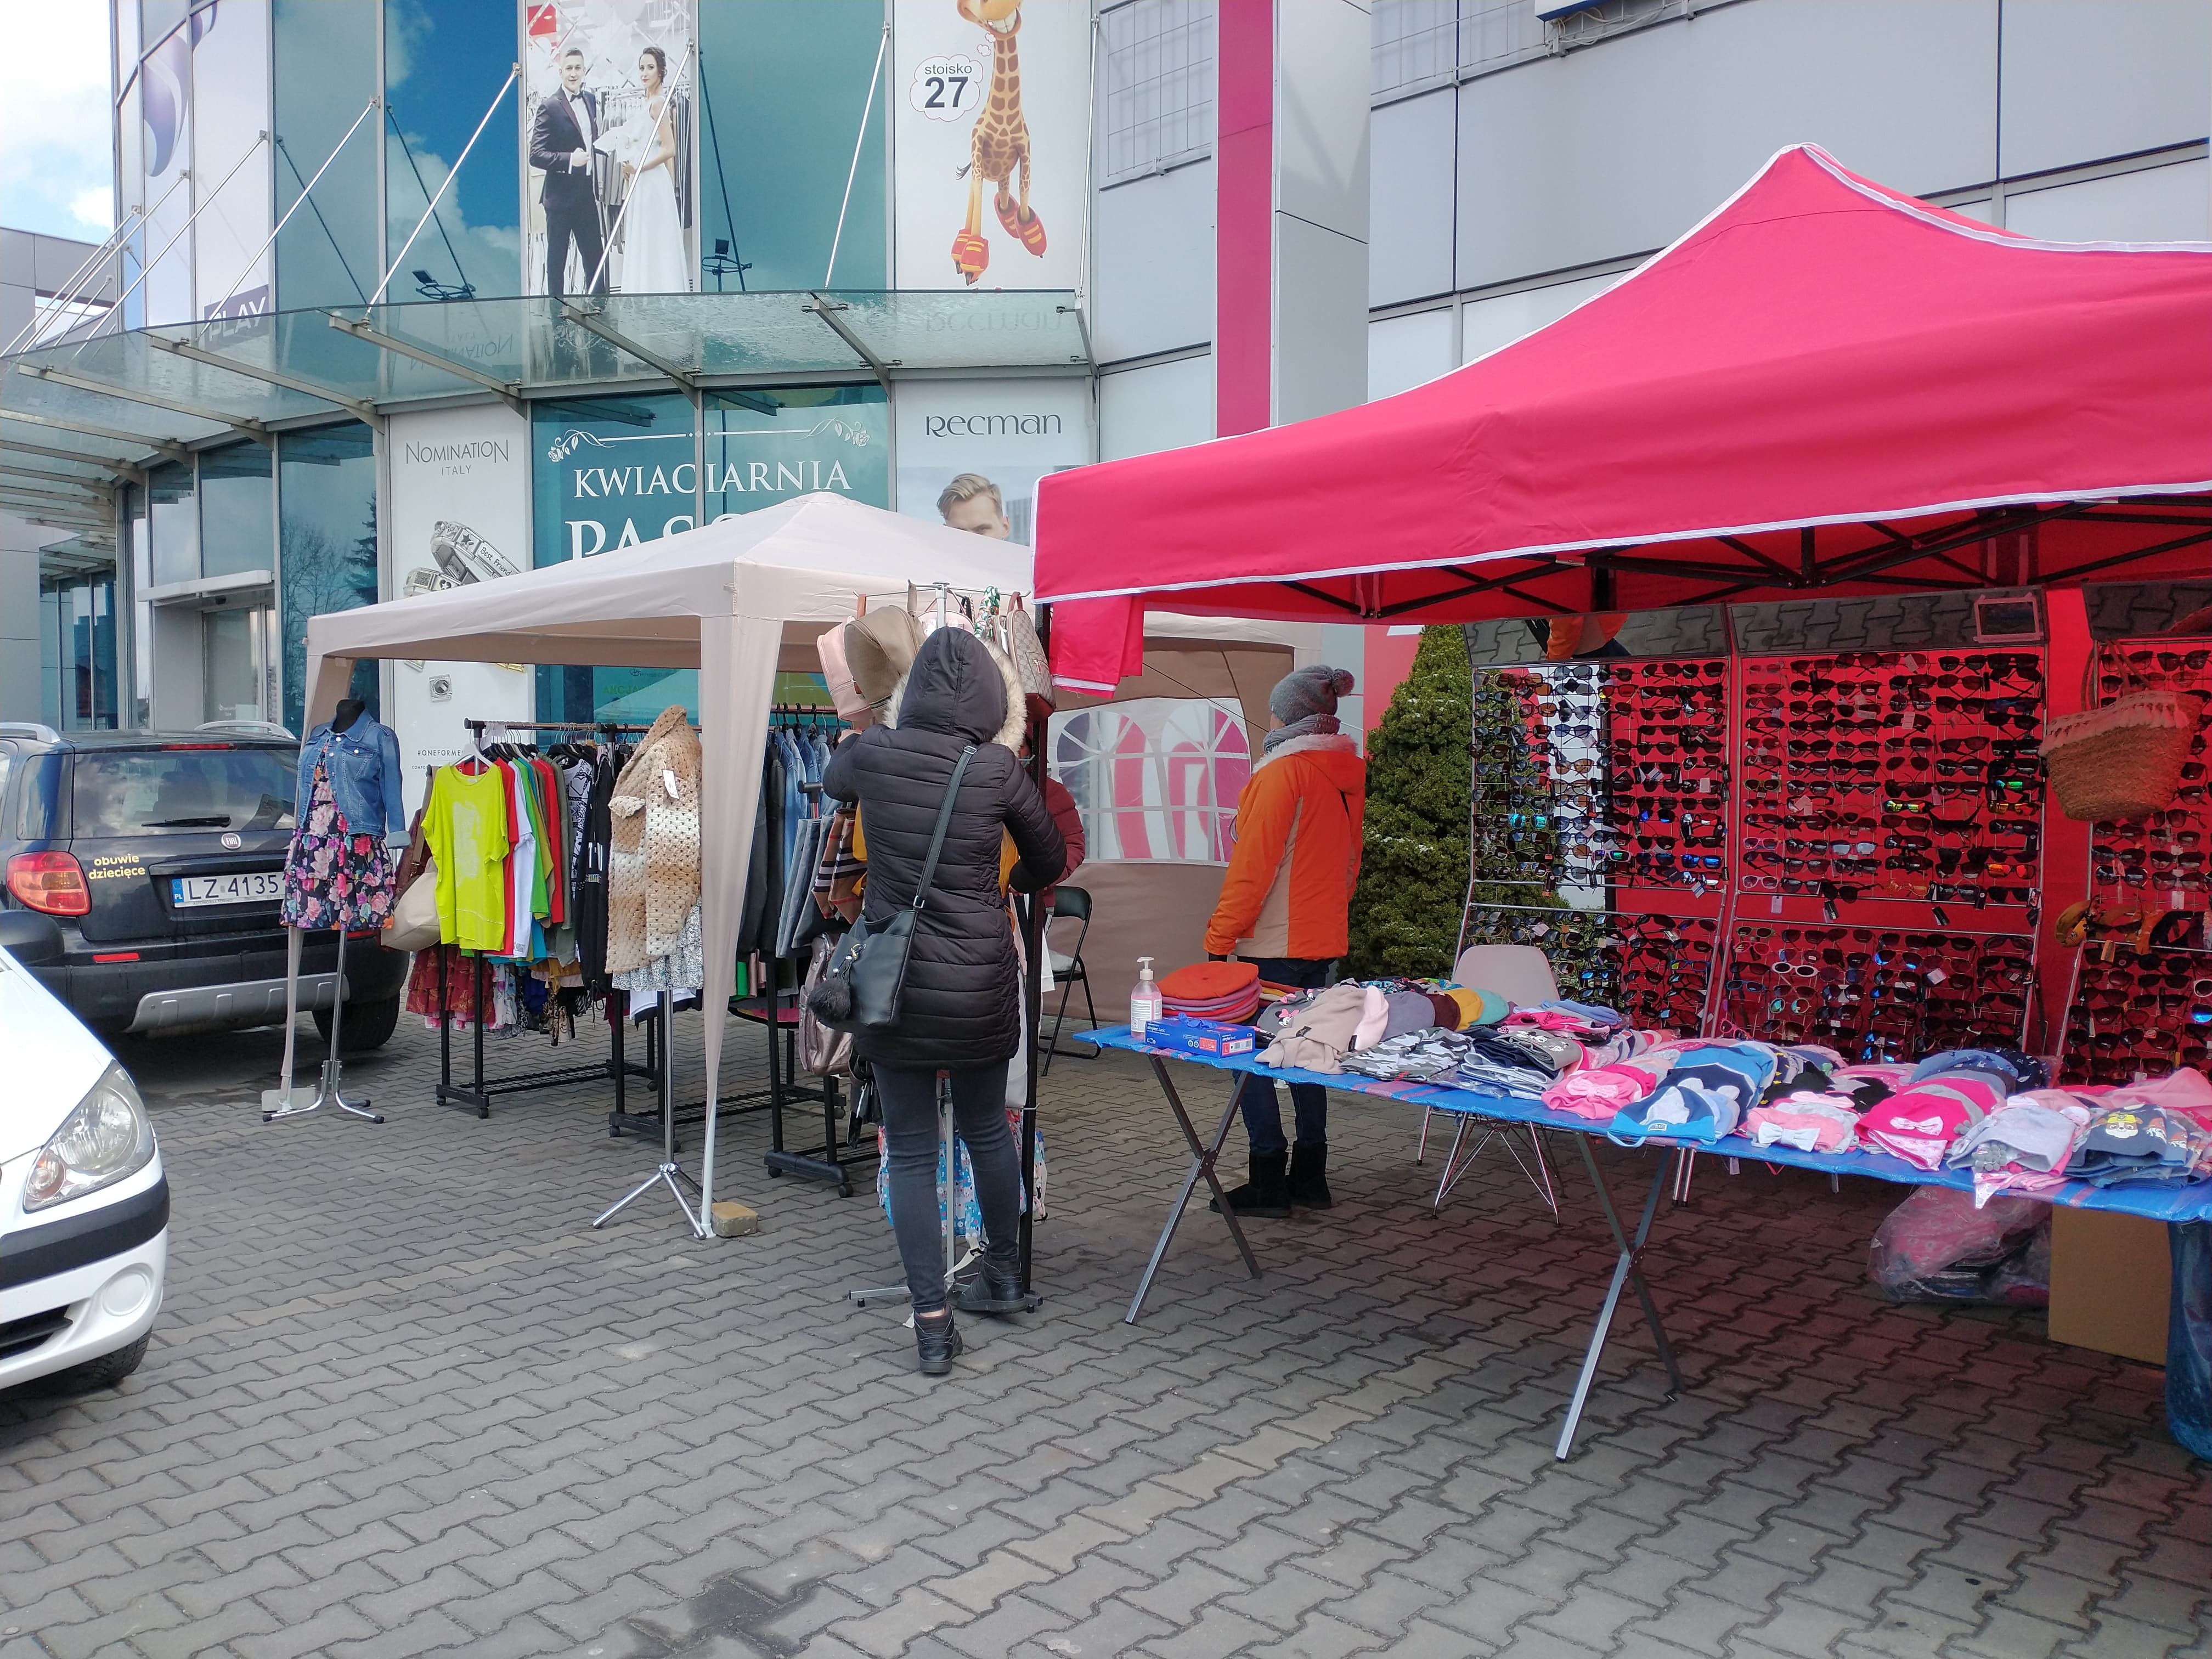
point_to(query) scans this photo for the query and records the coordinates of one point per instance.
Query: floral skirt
(332, 879)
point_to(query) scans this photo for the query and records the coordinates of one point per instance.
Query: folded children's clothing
(2128, 1142)
(1687, 1108)
(1601, 1091)
(2020, 1131)
(1317, 1034)
(1919, 1123)
(1410, 1011)
(1810, 1123)
(2019, 1070)
(1374, 1019)
(1430, 1054)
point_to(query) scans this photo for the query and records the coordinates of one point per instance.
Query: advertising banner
(460, 513)
(990, 141)
(767, 446)
(970, 452)
(608, 473)
(607, 112)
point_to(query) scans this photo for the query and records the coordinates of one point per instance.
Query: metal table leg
(1624, 1271)
(1201, 1164)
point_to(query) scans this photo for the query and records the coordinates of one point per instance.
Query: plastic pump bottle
(1145, 1004)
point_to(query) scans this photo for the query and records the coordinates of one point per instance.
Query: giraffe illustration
(998, 142)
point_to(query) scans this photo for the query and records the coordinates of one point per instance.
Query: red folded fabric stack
(1213, 990)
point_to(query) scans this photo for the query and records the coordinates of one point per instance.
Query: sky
(57, 171)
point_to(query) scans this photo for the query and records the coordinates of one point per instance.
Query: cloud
(56, 143)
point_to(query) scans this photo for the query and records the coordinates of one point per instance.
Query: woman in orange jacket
(1284, 907)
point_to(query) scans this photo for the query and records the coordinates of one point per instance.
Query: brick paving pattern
(403, 1400)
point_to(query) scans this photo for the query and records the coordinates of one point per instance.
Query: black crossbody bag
(861, 988)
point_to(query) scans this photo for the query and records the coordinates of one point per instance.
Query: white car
(84, 1204)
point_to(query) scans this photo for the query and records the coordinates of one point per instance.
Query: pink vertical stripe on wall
(1244, 211)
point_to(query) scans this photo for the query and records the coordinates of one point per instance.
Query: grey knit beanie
(1306, 702)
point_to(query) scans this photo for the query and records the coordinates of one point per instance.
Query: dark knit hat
(1307, 691)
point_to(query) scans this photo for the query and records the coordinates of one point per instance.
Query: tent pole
(1033, 942)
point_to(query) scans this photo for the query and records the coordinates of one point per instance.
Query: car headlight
(107, 1137)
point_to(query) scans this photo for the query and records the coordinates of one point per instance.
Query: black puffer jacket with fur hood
(962, 1006)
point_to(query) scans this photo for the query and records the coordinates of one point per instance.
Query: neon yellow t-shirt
(468, 833)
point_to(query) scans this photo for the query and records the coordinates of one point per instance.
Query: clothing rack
(476, 1094)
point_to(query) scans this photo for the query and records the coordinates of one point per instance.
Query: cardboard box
(1215, 1039)
(2110, 1279)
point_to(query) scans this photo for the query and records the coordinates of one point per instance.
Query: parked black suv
(158, 860)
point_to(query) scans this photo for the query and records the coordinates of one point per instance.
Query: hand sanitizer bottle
(1146, 1005)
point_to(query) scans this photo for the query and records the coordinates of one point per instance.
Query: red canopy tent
(1826, 384)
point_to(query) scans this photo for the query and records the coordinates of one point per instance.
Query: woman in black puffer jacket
(960, 1010)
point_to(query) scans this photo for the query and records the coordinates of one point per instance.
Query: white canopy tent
(738, 599)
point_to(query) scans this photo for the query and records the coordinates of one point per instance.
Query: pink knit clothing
(1810, 1123)
(1601, 1090)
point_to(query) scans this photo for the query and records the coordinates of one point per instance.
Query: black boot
(1309, 1182)
(936, 1341)
(996, 1290)
(1267, 1193)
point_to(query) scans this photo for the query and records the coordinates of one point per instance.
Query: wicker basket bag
(2124, 760)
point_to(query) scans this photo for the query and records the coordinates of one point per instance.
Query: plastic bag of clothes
(2189, 1338)
(1937, 1246)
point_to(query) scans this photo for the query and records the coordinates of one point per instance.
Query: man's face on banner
(979, 515)
(572, 71)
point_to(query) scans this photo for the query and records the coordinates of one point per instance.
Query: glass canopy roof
(83, 412)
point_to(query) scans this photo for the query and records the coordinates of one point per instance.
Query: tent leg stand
(1626, 1272)
(328, 1092)
(669, 1173)
(1203, 1157)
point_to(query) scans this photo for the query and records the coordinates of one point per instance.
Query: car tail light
(51, 881)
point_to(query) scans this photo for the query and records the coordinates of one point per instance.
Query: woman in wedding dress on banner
(654, 260)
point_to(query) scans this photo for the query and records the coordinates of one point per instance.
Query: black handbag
(861, 989)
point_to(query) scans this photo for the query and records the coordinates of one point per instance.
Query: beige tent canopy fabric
(736, 599)
(717, 599)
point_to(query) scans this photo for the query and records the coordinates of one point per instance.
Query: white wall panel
(2086, 81)
(1405, 351)
(1154, 264)
(1410, 225)
(1486, 324)
(1624, 145)
(1321, 320)
(1162, 407)
(1321, 75)
(2158, 205)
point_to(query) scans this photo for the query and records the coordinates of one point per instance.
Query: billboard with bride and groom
(609, 193)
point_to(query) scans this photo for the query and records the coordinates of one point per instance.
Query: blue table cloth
(2154, 1201)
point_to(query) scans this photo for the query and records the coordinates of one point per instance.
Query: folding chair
(1522, 975)
(1074, 903)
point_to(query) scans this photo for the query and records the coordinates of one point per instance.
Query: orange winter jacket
(1297, 858)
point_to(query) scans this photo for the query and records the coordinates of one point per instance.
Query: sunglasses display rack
(1877, 994)
(1655, 970)
(1908, 776)
(2137, 1006)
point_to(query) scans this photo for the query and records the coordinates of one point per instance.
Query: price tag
(668, 782)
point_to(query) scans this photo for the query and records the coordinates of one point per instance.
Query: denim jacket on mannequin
(363, 763)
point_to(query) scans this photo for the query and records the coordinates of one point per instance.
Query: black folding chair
(1073, 903)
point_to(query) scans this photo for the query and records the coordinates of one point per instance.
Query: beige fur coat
(653, 864)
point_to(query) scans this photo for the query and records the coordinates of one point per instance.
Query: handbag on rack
(2124, 760)
(822, 1051)
(1018, 636)
(866, 975)
(413, 923)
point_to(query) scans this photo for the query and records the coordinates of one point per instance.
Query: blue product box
(1214, 1038)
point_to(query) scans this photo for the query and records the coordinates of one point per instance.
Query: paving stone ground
(403, 1400)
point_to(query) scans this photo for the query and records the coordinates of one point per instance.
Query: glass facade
(326, 521)
(608, 473)
(784, 83)
(238, 511)
(77, 653)
(325, 54)
(767, 445)
(173, 532)
(443, 63)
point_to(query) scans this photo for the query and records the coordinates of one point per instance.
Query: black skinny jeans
(909, 1099)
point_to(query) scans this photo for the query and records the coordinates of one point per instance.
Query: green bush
(1414, 858)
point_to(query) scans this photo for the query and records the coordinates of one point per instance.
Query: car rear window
(180, 791)
(36, 797)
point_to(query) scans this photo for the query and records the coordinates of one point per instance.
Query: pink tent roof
(1826, 383)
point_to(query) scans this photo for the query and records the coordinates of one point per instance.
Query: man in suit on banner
(561, 138)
